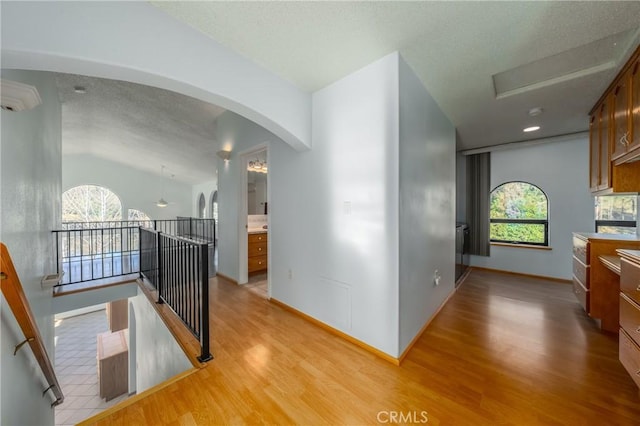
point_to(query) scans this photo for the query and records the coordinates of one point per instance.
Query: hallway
(506, 349)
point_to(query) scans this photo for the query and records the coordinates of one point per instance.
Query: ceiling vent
(18, 96)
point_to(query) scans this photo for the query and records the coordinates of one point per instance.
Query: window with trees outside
(138, 215)
(616, 214)
(519, 214)
(90, 203)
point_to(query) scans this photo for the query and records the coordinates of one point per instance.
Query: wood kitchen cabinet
(620, 116)
(629, 343)
(614, 134)
(634, 117)
(595, 286)
(257, 252)
(600, 170)
(626, 116)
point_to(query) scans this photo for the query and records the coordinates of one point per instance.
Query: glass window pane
(616, 230)
(517, 232)
(134, 214)
(90, 203)
(616, 207)
(518, 200)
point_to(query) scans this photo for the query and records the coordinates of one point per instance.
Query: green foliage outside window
(518, 201)
(517, 233)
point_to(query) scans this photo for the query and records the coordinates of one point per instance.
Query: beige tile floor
(76, 369)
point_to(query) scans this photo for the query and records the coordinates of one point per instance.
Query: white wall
(45, 36)
(561, 170)
(30, 190)
(158, 355)
(74, 301)
(334, 210)
(427, 205)
(136, 189)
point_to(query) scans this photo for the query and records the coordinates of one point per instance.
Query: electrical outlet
(290, 274)
(436, 278)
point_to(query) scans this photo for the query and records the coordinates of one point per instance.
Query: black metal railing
(179, 270)
(149, 255)
(198, 230)
(96, 253)
(88, 251)
(107, 224)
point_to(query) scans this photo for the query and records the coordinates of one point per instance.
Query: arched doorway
(213, 205)
(202, 206)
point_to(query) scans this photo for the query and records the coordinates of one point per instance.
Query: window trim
(618, 223)
(544, 222)
(522, 246)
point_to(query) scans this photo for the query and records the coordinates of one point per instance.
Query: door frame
(243, 208)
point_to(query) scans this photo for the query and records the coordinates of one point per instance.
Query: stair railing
(15, 297)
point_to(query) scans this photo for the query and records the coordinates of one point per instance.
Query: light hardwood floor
(504, 350)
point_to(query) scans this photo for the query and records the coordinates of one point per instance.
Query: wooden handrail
(14, 294)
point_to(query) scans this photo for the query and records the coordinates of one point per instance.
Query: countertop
(610, 237)
(256, 231)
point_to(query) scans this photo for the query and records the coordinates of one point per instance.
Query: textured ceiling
(140, 126)
(559, 56)
(455, 48)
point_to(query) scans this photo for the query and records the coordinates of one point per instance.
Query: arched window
(519, 214)
(213, 205)
(90, 203)
(138, 215)
(201, 206)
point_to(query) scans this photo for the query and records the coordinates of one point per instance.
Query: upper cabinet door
(620, 117)
(605, 146)
(594, 154)
(634, 120)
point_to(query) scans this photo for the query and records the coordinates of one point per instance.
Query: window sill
(524, 246)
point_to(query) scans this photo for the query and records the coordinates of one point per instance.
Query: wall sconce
(225, 155)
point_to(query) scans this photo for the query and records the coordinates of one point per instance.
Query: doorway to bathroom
(255, 259)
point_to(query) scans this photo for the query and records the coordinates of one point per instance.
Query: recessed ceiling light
(531, 129)
(535, 111)
(80, 89)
